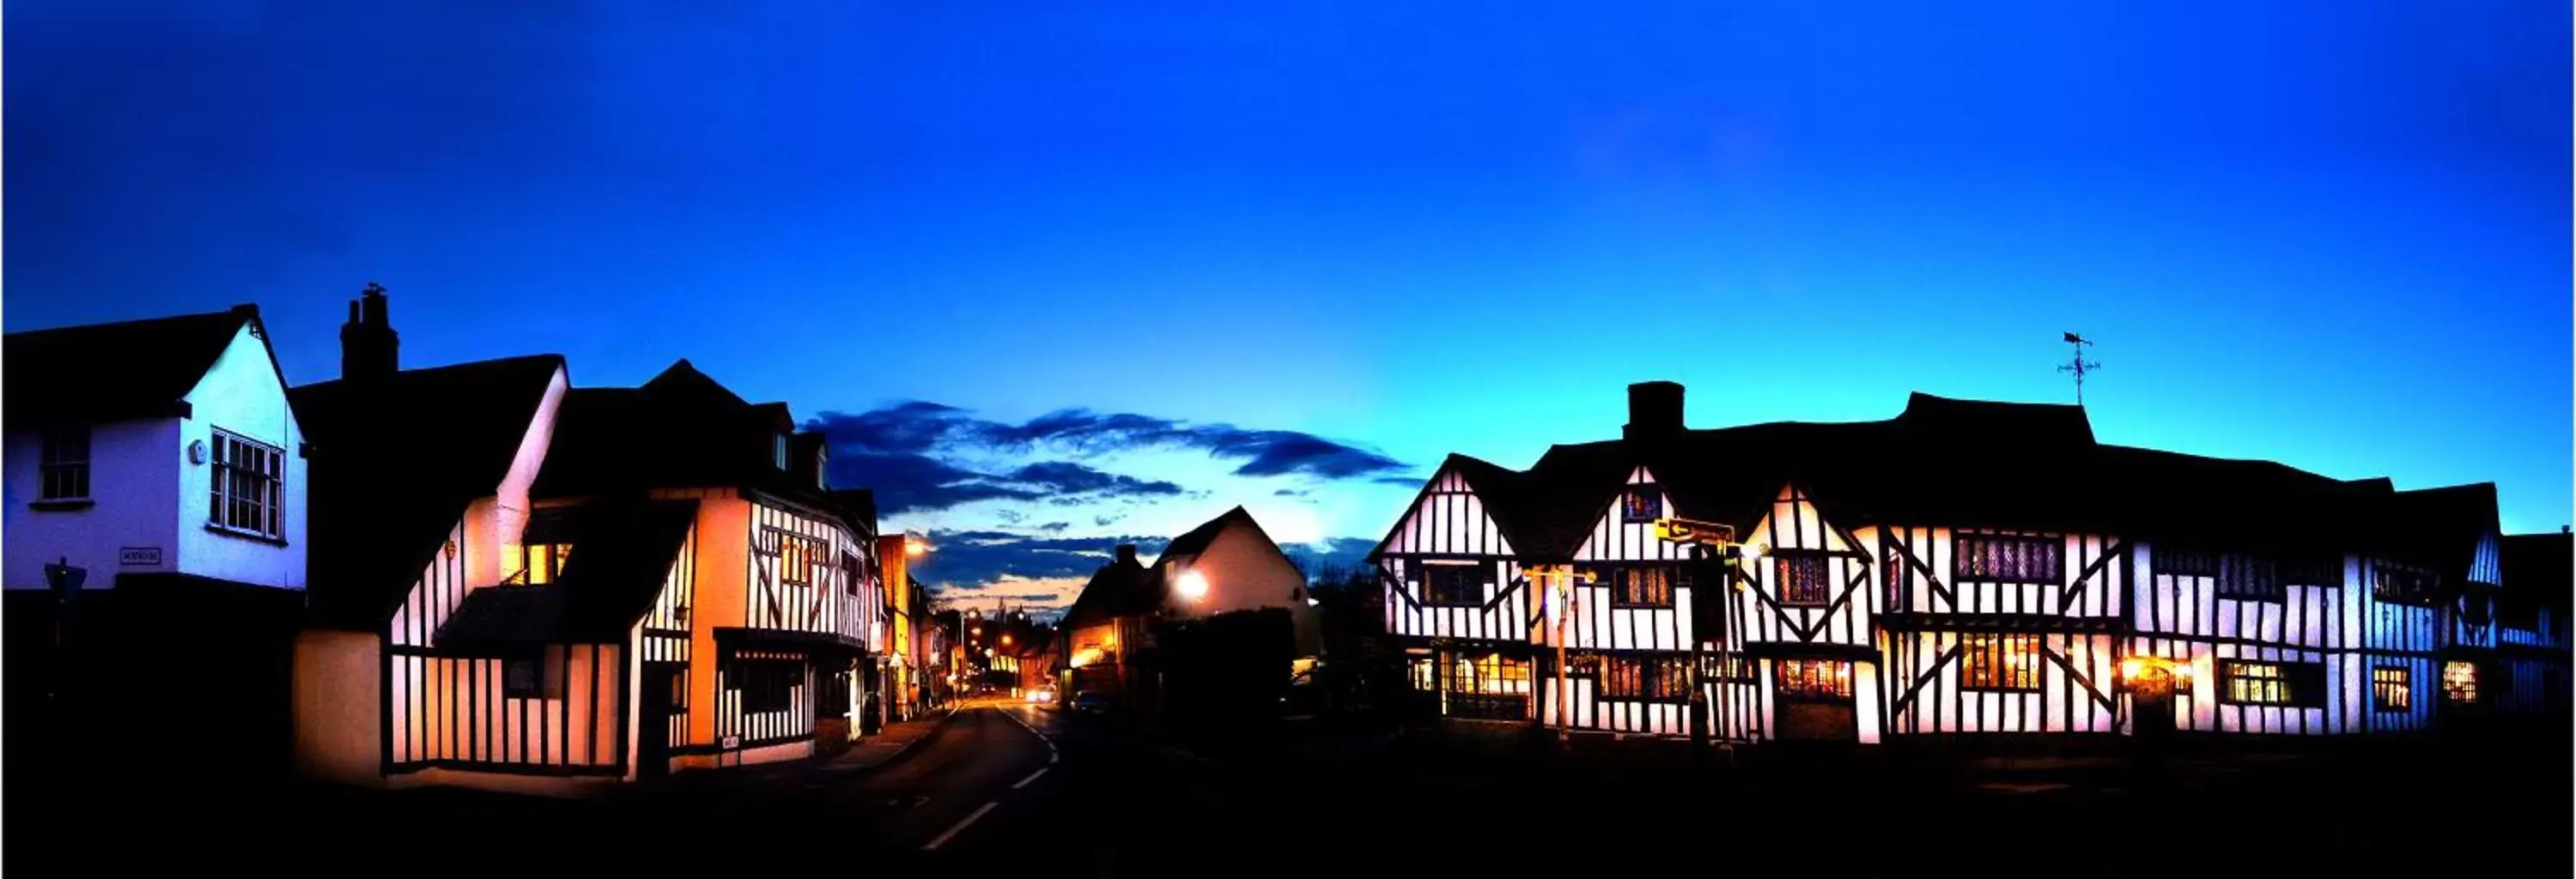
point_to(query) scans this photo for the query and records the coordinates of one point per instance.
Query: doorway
(2151, 705)
(663, 696)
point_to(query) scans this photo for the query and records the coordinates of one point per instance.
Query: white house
(153, 449)
(1226, 564)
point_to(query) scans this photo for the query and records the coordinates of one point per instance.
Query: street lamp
(1704, 538)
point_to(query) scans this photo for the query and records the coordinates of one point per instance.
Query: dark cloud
(974, 558)
(908, 482)
(912, 482)
(1010, 517)
(1105, 520)
(1289, 492)
(1406, 481)
(899, 450)
(1055, 527)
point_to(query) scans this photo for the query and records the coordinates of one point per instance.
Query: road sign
(1680, 530)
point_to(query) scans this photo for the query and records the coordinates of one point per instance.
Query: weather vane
(2079, 366)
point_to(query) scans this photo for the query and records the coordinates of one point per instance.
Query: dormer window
(542, 563)
(778, 450)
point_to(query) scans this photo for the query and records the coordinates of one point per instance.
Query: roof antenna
(2079, 366)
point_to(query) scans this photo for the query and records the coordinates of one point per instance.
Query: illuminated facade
(1226, 564)
(511, 591)
(1964, 568)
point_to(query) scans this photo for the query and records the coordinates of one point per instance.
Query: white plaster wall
(134, 479)
(240, 394)
(1244, 572)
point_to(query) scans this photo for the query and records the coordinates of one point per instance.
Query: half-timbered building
(511, 590)
(2531, 625)
(1963, 569)
(777, 648)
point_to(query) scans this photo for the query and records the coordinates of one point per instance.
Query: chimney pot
(1127, 553)
(368, 343)
(1654, 410)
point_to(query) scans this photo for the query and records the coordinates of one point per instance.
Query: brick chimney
(368, 341)
(1126, 553)
(1654, 410)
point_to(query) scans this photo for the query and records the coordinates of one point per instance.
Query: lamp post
(1703, 538)
(66, 580)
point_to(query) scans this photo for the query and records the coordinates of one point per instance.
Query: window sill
(238, 534)
(61, 504)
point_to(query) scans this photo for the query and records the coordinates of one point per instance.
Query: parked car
(1090, 702)
(1042, 696)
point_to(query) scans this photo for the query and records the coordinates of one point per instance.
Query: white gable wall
(1244, 571)
(134, 479)
(240, 394)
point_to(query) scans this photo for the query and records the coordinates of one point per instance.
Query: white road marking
(1032, 777)
(1042, 737)
(942, 839)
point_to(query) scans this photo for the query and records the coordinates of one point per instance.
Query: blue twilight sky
(1286, 257)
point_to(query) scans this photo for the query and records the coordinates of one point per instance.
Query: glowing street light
(1194, 586)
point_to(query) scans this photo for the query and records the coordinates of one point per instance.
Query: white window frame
(224, 498)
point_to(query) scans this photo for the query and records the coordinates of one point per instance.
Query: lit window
(1653, 679)
(1641, 587)
(2005, 559)
(1491, 673)
(2389, 690)
(64, 467)
(1641, 503)
(1812, 680)
(542, 563)
(2000, 662)
(2293, 684)
(1801, 579)
(247, 492)
(797, 558)
(2460, 682)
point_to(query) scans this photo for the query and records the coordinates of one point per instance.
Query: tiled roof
(1980, 464)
